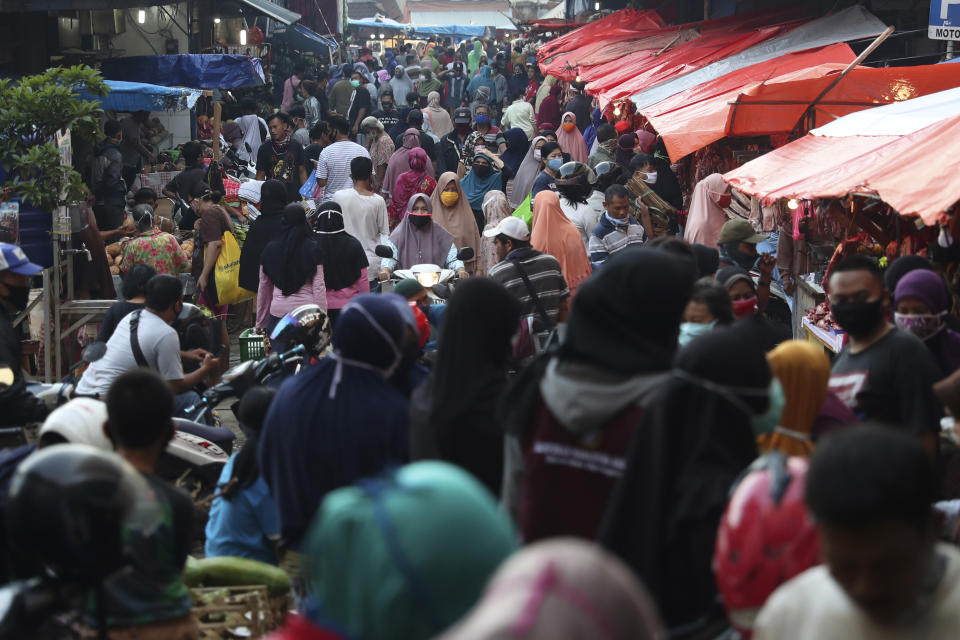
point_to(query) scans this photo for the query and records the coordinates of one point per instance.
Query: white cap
(80, 421)
(512, 227)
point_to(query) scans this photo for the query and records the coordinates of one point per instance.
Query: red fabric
(620, 25)
(299, 628)
(564, 492)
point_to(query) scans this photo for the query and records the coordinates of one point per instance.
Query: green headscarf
(406, 554)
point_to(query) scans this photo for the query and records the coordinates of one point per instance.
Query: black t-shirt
(388, 119)
(115, 314)
(311, 152)
(282, 161)
(361, 100)
(184, 182)
(891, 381)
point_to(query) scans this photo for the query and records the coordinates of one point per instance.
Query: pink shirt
(272, 302)
(288, 91)
(338, 298)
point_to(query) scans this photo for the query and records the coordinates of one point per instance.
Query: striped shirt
(545, 277)
(334, 166)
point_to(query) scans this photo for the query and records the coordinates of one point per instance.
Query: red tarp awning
(619, 25)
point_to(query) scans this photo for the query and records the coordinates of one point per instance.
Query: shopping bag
(307, 189)
(525, 211)
(227, 272)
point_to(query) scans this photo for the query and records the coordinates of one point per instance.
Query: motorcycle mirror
(441, 290)
(93, 351)
(465, 254)
(384, 251)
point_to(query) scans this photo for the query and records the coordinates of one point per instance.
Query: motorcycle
(436, 281)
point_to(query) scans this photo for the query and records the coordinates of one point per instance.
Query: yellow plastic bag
(227, 272)
(525, 211)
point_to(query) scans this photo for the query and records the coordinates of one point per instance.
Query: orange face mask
(568, 126)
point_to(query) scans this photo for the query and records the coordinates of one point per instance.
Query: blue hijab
(590, 135)
(474, 187)
(517, 146)
(485, 79)
(391, 62)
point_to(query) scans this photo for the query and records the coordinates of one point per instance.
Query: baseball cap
(739, 230)
(512, 227)
(12, 258)
(462, 116)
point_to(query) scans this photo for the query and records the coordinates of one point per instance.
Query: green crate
(251, 345)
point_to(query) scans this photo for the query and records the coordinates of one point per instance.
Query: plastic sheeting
(137, 96)
(303, 39)
(916, 174)
(197, 71)
(385, 24)
(617, 26)
(453, 30)
(850, 24)
(903, 118)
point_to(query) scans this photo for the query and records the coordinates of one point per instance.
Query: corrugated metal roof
(460, 13)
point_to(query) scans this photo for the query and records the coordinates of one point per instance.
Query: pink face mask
(724, 201)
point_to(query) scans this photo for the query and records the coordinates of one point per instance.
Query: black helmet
(307, 325)
(75, 509)
(188, 314)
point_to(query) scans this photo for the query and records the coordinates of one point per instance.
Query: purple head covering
(925, 285)
(625, 145)
(429, 244)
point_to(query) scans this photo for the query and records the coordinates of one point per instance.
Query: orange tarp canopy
(772, 97)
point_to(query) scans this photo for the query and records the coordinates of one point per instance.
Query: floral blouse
(158, 249)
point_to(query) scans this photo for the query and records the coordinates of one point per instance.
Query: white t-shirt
(584, 216)
(813, 606)
(158, 341)
(334, 166)
(365, 218)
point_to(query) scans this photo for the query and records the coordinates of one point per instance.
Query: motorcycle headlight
(428, 278)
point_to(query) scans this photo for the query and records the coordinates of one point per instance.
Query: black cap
(462, 116)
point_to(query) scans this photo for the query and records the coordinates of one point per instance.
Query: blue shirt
(243, 526)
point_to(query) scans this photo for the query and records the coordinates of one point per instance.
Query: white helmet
(79, 421)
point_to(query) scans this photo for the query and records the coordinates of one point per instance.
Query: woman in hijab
(380, 147)
(562, 589)
(549, 111)
(625, 148)
(400, 161)
(543, 91)
(803, 370)
(473, 58)
(696, 437)
(645, 141)
(485, 79)
(416, 180)
(455, 422)
(343, 258)
(570, 138)
(451, 210)
(667, 185)
(482, 178)
(428, 84)
(555, 235)
(921, 304)
(590, 135)
(528, 172)
(495, 209)
(517, 146)
(386, 558)
(273, 198)
(291, 272)
(436, 116)
(401, 85)
(418, 239)
(706, 216)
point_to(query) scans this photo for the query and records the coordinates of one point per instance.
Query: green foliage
(32, 111)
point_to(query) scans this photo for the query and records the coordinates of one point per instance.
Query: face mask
(724, 201)
(387, 106)
(354, 83)
(770, 419)
(419, 220)
(691, 330)
(536, 155)
(858, 318)
(449, 198)
(922, 325)
(554, 164)
(742, 258)
(568, 126)
(483, 119)
(18, 297)
(482, 171)
(746, 307)
(650, 178)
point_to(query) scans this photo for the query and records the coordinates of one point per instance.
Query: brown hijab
(458, 220)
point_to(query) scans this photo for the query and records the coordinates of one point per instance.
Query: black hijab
(273, 198)
(667, 185)
(291, 259)
(708, 259)
(692, 444)
(343, 256)
(454, 414)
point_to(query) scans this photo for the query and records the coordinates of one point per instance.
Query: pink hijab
(572, 142)
(416, 180)
(706, 217)
(400, 160)
(646, 140)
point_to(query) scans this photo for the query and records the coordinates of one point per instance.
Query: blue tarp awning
(138, 96)
(951, 60)
(452, 30)
(386, 23)
(197, 71)
(303, 39)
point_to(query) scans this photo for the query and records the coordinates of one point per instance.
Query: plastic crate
(251, 345)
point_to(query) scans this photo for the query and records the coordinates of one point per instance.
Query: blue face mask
(554, 164)
(483, 119)
(691, 330)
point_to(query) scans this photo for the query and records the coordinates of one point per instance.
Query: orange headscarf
(804, 372)
(555, 235)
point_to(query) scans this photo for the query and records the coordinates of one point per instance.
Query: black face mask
(482, 171)
(387, 106)
(742, 258)
(859, 319)
(18, 297)
(419, 221)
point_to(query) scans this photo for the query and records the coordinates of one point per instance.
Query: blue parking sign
(944, 20)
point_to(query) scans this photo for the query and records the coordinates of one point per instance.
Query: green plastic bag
(525, 211)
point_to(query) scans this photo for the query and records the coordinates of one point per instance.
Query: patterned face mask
(922, 325)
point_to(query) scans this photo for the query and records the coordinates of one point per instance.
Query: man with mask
(738, 248)
(359, 102)
(451, 145)
(388, 115)
(456, 84)
(884, 373)
(485, 134)
(617, 229)
(17, 405)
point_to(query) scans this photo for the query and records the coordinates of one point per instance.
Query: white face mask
(651, 178)
(536, 155)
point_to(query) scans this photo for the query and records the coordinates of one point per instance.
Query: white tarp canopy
(896, 119)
